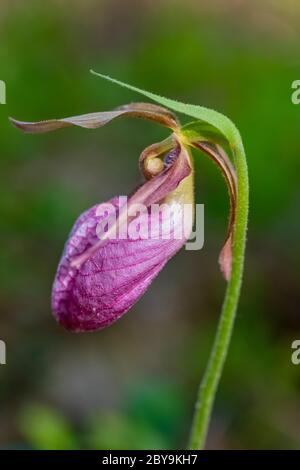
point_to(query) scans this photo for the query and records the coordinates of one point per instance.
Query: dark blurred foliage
(134, 384)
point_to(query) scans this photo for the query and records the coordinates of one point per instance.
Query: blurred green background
(133, 385)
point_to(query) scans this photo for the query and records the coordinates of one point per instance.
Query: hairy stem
(208, 387)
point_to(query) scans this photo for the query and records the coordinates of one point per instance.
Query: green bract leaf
(219, 123)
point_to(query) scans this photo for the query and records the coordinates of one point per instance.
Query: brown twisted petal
(147, 111)
(222, 160)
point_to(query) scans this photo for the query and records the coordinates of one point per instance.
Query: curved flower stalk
(110, 259)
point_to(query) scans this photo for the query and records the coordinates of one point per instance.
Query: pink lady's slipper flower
(100, 276)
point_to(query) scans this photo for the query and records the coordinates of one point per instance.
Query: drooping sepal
(147, 111)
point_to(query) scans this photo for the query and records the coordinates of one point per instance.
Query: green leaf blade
(222, 123)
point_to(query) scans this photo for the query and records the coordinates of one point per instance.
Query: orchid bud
(99, 280)
(114, 251)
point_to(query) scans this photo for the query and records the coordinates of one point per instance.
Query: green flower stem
(208, 387)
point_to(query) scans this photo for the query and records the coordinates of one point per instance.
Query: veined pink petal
(112, 275)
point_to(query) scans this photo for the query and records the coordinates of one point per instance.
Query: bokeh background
(133, 385)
